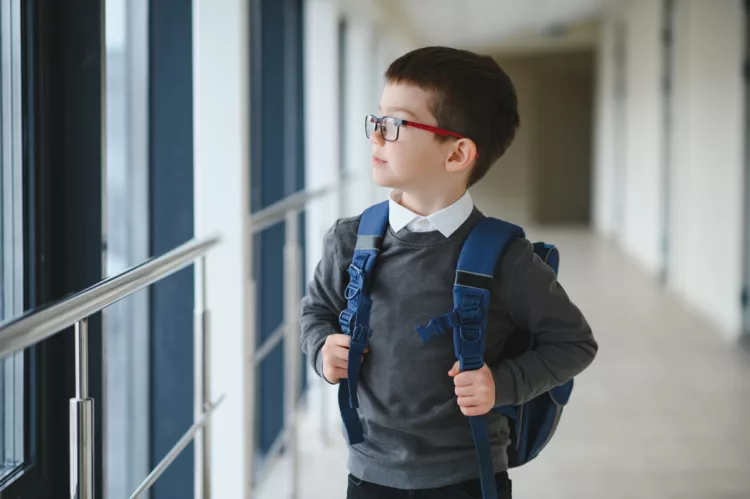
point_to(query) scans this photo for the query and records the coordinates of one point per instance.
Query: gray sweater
(415, 434)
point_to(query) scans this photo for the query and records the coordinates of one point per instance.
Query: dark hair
(473, 97)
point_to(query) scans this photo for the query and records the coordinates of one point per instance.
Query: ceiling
(491, 24)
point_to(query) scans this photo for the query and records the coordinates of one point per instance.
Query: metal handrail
(38, 325)
(176, 450)
(287, 210)
(277, 212)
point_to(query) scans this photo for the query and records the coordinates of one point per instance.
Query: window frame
(62, 144)
(11, 231)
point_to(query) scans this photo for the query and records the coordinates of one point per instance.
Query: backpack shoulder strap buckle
(438, 326)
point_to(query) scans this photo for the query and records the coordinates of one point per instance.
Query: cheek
(415, 159)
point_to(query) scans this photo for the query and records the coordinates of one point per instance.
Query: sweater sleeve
(323, 301)
(564, 344)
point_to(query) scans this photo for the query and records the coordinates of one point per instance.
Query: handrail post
(292, 356)
(200, 384)
(82, 421)
(176, 450)
(251, 390)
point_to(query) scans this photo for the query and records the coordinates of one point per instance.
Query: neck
(426, 203)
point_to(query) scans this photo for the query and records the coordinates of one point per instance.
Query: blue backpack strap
(471, 299)
(355, 319)
(474, 278)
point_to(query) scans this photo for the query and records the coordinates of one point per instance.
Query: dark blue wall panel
(277, 172)
(270, 253)
(171, 129)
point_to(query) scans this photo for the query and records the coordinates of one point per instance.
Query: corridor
(662, 412)
(169, 171)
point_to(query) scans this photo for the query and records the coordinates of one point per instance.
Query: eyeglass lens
(388, 127)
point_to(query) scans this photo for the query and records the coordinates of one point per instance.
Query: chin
(383, 179)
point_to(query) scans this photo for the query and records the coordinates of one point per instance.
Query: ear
(462, 156)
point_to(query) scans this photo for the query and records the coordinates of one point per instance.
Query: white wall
(386, 51)
(221, 168)
(709, 145)
(643, 138)
(628, 129)
(628, 136)
(679, 192)
(603, 184)
(369, 49)
(360, 78)
(321, 101)
(705, 229)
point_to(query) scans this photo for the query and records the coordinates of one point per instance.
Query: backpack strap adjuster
(352, 291)
(356, 279)
(468, 319)
(471, 314)
(361, 335)
(469, 343)
(346, 320)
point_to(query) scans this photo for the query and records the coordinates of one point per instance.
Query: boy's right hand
(336, 357)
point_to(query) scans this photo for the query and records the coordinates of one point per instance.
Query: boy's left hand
(475, 390)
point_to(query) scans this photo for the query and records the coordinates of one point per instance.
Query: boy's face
(417, 160)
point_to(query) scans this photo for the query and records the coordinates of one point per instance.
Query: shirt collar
(447, 220)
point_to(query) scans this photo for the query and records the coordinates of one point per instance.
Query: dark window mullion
(63, 167)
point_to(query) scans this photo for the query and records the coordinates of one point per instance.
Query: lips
(377, 161)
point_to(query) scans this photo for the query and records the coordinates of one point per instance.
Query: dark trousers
(359, 489)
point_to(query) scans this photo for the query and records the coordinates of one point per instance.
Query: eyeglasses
(389, 127)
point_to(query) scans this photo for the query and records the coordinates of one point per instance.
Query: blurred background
(131, 127)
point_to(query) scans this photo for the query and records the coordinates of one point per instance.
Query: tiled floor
(664, 411)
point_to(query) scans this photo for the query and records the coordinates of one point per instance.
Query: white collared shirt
(447, 220)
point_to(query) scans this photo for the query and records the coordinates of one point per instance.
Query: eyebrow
(398, 109)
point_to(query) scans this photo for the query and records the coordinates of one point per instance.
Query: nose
(376, 138)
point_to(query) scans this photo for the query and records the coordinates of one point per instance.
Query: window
(11, 232)
(126, 322)
(60, 241)
(276, 48)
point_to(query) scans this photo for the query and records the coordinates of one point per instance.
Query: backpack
(533, 423)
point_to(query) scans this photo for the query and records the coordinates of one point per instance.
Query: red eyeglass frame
(399, 123)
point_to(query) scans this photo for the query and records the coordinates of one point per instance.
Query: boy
(461, 112)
